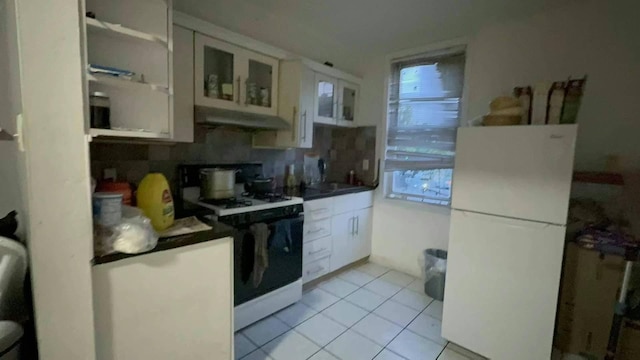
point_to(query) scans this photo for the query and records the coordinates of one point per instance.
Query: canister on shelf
(100, 110)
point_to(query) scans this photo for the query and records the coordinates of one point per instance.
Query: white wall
(593, 37)
(56, 186)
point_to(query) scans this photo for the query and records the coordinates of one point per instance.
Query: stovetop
(242, 202)
(247, 200)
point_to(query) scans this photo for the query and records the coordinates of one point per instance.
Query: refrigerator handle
(509, 221)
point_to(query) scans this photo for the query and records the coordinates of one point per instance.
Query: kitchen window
(425, 95)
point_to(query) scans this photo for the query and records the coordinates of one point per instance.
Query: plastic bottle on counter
(154, 198)
(291, 181)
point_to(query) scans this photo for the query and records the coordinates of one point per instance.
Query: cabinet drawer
(316, 229)
(315, 269)
(318, 209)
(346, 203)
(316, 249)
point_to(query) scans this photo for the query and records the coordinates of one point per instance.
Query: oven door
(284, 247)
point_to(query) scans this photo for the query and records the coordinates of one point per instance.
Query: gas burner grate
(268, 197)
(231, 203)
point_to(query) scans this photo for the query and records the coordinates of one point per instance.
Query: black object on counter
(9, 226)
(322, 169)
(259, 186)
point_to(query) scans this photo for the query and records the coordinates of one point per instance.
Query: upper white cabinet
(336, 101)
(183, 84)
(348, 96)
(233, 78)
(295, 105)
(326, 100)
(140, 105)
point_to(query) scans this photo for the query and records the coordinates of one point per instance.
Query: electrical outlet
(110, 174)
(365, 165)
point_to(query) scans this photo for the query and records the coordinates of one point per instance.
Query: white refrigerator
(510, 201)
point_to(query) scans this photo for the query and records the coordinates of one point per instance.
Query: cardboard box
(629, 345)
(589, 288)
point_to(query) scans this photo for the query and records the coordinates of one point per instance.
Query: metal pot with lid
(217, 183)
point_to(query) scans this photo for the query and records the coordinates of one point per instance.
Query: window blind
(425, 94)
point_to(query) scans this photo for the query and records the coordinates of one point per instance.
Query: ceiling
(348, 32)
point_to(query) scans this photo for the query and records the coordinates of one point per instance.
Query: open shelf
(128, 133)
(116, 29)
(131, 84)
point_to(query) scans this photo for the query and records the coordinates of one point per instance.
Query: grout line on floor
(350, 327)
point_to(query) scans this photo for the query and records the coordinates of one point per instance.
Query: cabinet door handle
(320, 210)
(315, 231)
(239, 92)
(358, 225)
(317, 251)
(246, 98)
(304, 126)
(293, 123)
(353, 225)
(315, 271)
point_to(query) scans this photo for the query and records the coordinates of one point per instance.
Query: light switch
(110, 174)
(365, 165)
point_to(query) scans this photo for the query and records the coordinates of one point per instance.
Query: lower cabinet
(337, 233)
(351, 237)
(362, 239)
(173, 304)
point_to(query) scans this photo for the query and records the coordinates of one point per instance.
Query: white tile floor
(367, 313)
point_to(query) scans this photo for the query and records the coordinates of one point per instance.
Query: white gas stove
(241, 203)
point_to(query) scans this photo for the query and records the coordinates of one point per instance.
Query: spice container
(212, 86)
(100, 109)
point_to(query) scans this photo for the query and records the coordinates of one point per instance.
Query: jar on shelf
(100, 110)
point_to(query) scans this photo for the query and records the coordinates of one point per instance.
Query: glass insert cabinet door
(217, 78)
(233, 78)
(326, 99)
(260, 83)
(347, 104)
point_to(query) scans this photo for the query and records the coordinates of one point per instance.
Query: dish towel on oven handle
(260, 233)
(282, 235)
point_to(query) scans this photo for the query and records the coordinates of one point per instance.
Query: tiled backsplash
(344, 149)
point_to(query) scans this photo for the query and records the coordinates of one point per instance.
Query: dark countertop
(219, 231)
(327, 190)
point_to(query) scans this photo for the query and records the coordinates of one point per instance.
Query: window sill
(416, 202)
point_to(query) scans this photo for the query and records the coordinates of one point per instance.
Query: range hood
(208, 116)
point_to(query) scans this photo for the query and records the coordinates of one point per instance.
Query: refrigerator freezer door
(502, 285)
(521, 172)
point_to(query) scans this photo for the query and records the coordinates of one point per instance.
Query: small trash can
(435, 270)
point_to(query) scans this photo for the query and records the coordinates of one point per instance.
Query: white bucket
(107, 208)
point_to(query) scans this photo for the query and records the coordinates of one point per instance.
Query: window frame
(439, 49)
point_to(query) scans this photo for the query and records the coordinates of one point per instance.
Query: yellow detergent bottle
(154, 198)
